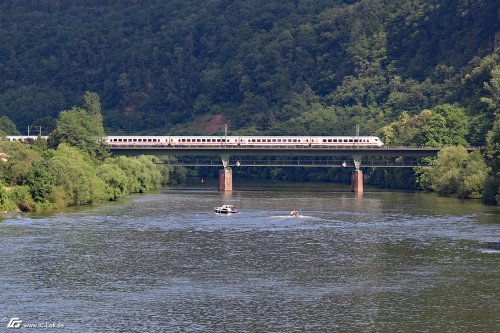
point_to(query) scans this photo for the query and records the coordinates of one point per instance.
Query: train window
(258, 140)
(198, 140)
(355, 140)
(334, 140)
(274, 140)
(218, 140)
(376, 139)
(134, 140)
(203, 140)
(268, 140)
(329, 140)
(324, 140)
(294, 140)
(183, 140)
(350, 140)
(279, 140)
(307, 140)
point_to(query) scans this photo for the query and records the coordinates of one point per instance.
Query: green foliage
(456, 173)
(40, 181)
(445, 125)
(20, 195)
(20, 100)
(420, 72)
(141, 174)
(80, 129)
(7, 127)
(115, 179)
(19, 163)
(6, 204)
(92, 105)
(492, 186)
(493, 147)
(246, 58)
(76, 176)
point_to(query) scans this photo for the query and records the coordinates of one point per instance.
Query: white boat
(226, 209)
(294, 213)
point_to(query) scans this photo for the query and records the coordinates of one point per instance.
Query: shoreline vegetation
(73, 167)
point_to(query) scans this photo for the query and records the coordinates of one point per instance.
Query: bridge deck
(276, 151)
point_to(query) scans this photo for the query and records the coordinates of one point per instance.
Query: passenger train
(234, 141)
(240, 141)
(245, 141)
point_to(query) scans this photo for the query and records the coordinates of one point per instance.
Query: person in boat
(294, 213)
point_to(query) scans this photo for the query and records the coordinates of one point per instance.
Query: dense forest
(395, 67)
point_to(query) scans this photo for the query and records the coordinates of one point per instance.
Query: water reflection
(384, 261)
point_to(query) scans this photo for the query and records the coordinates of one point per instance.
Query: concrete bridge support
(225, 175)
(357, 181)
(357, 175)
(226, 180)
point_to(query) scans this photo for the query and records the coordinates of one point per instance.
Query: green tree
(92, 104)
(40, 181)
(19, 162)
(78, 128)
(7, 127)
(456, 173)
(445, 125)
(74, 174)
(115, 179)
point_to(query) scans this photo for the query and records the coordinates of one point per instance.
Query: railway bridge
(232, 156)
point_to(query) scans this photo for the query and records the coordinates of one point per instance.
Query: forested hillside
(303, 66)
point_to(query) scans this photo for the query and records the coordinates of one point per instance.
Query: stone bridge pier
(225, 175)
(357, 175)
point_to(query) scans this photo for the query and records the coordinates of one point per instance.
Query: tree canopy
(158, 65)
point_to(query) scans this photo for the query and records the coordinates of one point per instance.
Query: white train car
(25, 138)
(340, 141)
(263, 141)
(209, 141)
(119, 140)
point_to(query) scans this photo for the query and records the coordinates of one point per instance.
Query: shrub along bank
(73, 167)
(36, 177)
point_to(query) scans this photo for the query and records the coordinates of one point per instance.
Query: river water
(163, 261)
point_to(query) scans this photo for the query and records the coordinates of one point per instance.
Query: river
(163, 261)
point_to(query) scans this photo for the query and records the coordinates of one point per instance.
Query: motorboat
(226, 209)
(294, 213)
